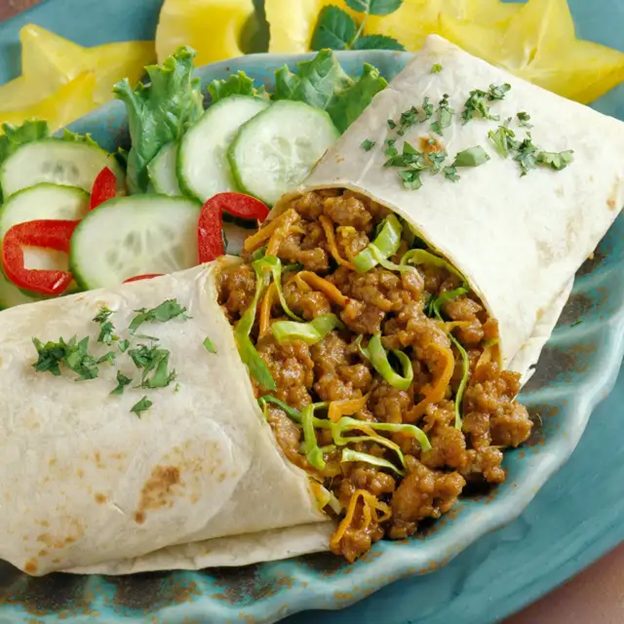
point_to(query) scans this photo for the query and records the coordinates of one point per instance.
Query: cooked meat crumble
(326, 231)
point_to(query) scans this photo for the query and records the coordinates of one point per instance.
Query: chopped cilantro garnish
(503, 139)
(209, 345)
(153, 359)
(555, 160)
(471, 157)
(444, 116)
(367, 145)
(122, 382)
(73, 353)
(141, 406)
(478, 103)
(436, 68)
(162, 313)
(523, 119)
(107, 357)
(123, 345)
(411, 179)
(526, 155)
(106, 327)
(450, 173)
(391, 124)
(498, 92)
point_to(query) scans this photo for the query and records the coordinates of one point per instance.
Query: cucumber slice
(276, 150)
(58, 162)
(132, 236)
(43, 201)
(203, 168)
(162, 171)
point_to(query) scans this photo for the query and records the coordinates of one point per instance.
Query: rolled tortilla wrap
(517, 239)
(86, 481)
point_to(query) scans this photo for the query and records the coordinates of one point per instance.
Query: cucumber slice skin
(43, 201)
(11, 295)
(276, 150)
(58, 162)
(203, 169)
(109, 233)
(162, 171)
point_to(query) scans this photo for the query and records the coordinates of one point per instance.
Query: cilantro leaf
(106, 335)
(436, 68)
(122, 382)
(367, 145)
(450, 173)
(444, 116)
(411, 179)
(159, 111)
(209, 345)
(108, 357)
(152, 360)
(377, 42)
(141, 406)
(503, 139)
(236, 84)
(335, 29)
(322, 83)
(555, 160)
(162, 313)
(471, 157)
(526, 155)
(123, 345)
(374, 7)
(478, 103)
(524, 119)
(73, 353)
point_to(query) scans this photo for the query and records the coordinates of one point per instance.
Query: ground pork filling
(393, 483)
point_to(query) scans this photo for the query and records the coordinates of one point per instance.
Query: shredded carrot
(328, 228)
(490, 352)
(369, 512)
(327, 288)
(281, 232)
(254, 241)
(435, 392)
(266, 304)
(345, 407)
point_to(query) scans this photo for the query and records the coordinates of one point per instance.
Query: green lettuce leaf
(322, 83)
(159, 111)
(236, 84)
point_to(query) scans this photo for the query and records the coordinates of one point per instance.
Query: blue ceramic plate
(570, 523)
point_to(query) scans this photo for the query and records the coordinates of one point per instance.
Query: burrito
(348, 377)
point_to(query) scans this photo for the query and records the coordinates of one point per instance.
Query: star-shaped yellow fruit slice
(539, 44)
(53, 66)
(214, 28)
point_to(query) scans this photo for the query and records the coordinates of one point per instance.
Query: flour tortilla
(87, 482)
(517, 239)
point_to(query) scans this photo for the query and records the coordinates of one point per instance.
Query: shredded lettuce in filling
(372, 360)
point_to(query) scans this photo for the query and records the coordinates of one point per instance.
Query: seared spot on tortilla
(611, 203)
(52, 461)
(42, 553)
(80, 473)
(31, 566)
(100, 498)
(98, 459)
(429, 144)
(158, 490)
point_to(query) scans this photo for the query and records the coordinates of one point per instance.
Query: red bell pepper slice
(241, 206)
(104, 188)
(137, 278)
(210, 227)
(46, 233)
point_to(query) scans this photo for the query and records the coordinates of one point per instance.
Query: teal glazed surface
(475, 574)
